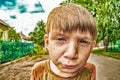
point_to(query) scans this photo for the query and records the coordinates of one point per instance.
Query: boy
(70, 37)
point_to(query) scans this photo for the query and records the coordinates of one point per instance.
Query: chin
(69, 70)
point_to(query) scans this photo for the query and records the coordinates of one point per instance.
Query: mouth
(69, 66)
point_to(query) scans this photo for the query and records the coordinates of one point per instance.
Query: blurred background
(22, 27)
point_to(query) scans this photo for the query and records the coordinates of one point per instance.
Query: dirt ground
(107, 68)
(18, 69)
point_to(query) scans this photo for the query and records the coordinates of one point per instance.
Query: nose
(71, 51)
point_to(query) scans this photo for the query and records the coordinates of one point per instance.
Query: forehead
(73, 34)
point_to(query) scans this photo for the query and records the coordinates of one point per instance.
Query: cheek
(55, 52)
(84, 54)
(84, 57)
(52, 53)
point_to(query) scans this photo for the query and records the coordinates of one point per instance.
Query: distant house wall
(5, 35)
(4, 28)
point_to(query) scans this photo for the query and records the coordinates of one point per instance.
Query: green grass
(115, 55)
(38, 52)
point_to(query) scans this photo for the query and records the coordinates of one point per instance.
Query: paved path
(106, 68)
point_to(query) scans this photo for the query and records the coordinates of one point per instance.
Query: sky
(24, 14)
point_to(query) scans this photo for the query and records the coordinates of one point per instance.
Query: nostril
(69, 55)
(74, 58)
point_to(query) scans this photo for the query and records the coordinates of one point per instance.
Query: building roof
(22, 36)
(3, 23)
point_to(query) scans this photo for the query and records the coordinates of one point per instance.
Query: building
(4, 28)
(24, 38)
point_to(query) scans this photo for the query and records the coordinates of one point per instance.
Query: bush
(39, 50)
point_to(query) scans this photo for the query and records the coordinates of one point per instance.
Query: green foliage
(107, 16)
(13, 35)
(38, 33)
(115, 55)
(39, 50)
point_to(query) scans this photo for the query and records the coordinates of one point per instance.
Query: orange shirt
(41, 71)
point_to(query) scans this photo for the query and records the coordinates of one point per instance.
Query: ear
(46, 40)
(94, 43)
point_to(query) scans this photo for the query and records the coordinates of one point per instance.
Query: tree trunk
(105, 45)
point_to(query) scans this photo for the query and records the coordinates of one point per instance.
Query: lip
(69, 66)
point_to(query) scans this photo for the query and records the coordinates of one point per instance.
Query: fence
(114, 46)
(10, 50)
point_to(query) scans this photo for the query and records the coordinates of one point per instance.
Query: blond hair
(71, 17)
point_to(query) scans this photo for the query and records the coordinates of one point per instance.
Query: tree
(13, 35)
(38, 33)
(107, 16)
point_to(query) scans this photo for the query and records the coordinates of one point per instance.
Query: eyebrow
(56, 33)
(86, 38)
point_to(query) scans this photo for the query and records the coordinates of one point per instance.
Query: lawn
(101, 51)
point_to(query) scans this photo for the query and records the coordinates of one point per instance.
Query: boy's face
(69, 51)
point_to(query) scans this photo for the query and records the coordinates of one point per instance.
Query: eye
(84, 42)
(60, 39)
